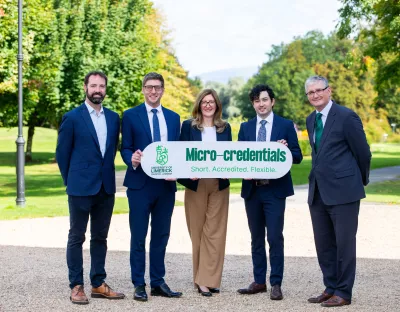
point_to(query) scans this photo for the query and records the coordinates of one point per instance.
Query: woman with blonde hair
(207, 200)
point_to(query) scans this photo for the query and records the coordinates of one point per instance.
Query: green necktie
(319, 128)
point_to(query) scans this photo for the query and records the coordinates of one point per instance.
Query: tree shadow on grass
(35, 185)
(39, 158)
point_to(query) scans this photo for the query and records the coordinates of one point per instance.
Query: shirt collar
(91, 109)
(326, 110)
(149, 108)
(269, 119)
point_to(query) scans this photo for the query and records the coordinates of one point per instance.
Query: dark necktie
(262, 132)
(156, 127)
(319, 128)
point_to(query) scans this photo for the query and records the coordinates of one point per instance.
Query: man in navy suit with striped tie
(264, 199)
(149, 122)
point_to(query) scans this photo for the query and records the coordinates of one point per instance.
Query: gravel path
(33, 272)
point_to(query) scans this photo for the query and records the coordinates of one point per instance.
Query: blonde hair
(197, 121)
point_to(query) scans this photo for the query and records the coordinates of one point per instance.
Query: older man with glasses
(340, 169)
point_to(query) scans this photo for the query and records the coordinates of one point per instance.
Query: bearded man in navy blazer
(340, 169)
(265, 200)
(149, 122)
(86, 149)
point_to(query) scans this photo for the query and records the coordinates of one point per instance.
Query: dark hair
(95, 73)
(153, 76)
(256, 91)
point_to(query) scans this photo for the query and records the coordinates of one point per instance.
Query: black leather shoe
(214, 290)
(276, 293)
(140, 293)
(164, 291)
(204, 293)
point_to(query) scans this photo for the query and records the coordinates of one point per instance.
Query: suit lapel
(330, 119)
(310, 130)
(89, 124)
(275, 129)
(195, 134)
(145, 121)
(253, 129)
(170, 130)
(221, 136)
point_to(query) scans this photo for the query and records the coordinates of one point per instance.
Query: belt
(261, 182)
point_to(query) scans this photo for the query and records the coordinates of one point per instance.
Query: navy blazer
(282, 129)
(78, 154)
(189, 133)
(341, 165)
(136, 134)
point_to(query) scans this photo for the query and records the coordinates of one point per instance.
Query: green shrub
(305, 147)
(393, 138)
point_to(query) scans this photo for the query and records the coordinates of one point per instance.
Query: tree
(42, 58)
(289, 65)
(378, 22)
(64, 40)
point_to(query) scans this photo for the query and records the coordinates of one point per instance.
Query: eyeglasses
(205, 103)
(317, 92)
(149, 88)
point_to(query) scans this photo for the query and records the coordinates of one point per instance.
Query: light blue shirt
(100, 125)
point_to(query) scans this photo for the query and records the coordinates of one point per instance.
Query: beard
(96, 100)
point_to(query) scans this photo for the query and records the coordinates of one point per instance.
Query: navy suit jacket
(341, 166)
(189, 133)
(78, 154)
(282, 129)
(136, 134)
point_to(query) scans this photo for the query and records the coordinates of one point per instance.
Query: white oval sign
(259, 160)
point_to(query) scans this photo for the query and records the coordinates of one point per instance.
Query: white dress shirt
(161, 121)
(324, 113)
(209, 134)
(268, 125)
(100, 125)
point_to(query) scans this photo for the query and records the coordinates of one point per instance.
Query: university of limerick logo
(162, 155)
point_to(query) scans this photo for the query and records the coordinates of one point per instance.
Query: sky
(211, 35)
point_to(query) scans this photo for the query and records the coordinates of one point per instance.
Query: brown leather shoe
(276, 293)
(105, 291)
(319, 299)
(253, 288)
(78, 295)
(335, 301)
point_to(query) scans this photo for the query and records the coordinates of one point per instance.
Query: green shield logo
(162, 155)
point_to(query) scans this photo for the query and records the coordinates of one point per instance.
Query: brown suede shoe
(335, 301)
(319, 299)
(78, 295)
(105, 291)
(253, 288)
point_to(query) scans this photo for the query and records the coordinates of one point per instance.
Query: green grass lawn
(45, 192)
(384, 192)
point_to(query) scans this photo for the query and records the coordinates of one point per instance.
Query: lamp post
(20, 140)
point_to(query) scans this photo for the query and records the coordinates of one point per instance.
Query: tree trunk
(31, 132)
